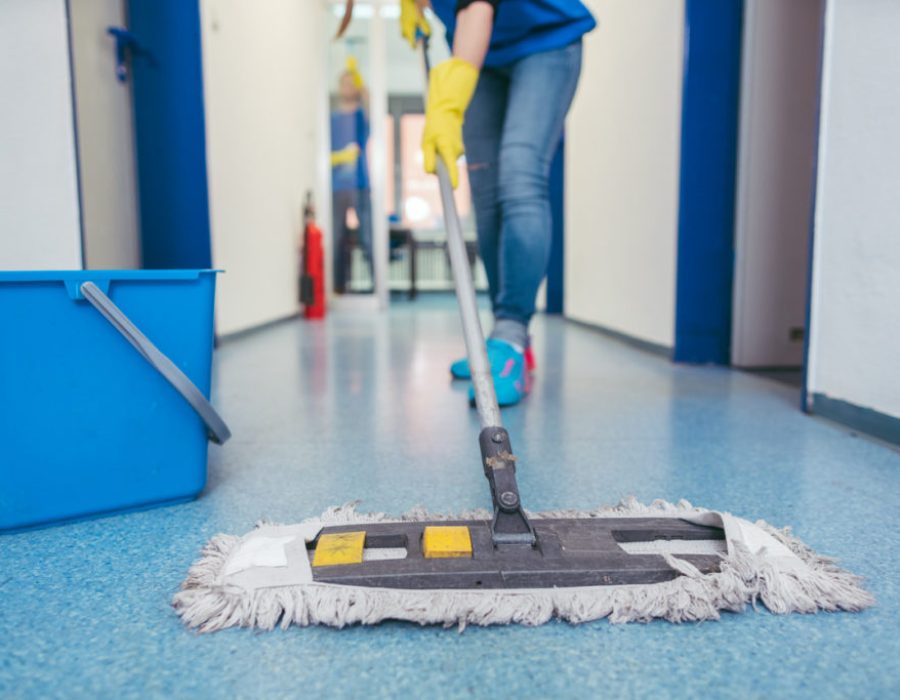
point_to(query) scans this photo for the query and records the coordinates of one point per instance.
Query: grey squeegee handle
(216, 429)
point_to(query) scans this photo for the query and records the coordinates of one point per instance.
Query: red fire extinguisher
(312, 264)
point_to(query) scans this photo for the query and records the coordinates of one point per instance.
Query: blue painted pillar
(709, 146)
(170, 135)
(556, 266)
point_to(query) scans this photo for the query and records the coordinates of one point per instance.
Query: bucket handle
(216, 429)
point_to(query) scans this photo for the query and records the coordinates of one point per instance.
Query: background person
(350, 192)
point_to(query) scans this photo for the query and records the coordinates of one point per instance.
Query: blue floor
(362, 407)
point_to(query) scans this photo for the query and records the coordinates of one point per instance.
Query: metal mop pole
(510, 524)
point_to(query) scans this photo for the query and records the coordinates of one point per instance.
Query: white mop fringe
(208, 602)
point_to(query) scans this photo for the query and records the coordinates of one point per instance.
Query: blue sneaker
(460, 368)
(511, 378)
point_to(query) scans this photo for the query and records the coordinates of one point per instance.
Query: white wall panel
(261, 64)
(39, 210)
(622, 171)
(855, 342)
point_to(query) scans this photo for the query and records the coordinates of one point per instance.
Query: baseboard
(630, 340)
(354, 303)
(252, 330)
(865, 420)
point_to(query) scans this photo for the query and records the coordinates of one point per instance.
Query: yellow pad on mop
(443, 542)
(340, 548)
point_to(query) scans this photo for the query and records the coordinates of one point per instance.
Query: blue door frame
(709, 146)
(556, 265)
(170, 134)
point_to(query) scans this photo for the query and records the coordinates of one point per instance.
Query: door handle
(127, 46)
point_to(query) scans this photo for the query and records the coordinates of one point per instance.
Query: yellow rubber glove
(353, 69)
(346, 156)
(450, 89)
(411, 19)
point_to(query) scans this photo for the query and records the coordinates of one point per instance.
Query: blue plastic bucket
(88, 424)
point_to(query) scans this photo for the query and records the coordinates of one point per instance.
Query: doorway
(402, 223)
(780, 89)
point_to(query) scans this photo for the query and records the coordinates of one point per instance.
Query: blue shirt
(525, 27)
(347, 128)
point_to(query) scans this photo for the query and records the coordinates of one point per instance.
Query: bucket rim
(104, 275)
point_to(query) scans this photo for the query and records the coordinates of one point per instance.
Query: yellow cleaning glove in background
(450, 89)
(411, 19)
(346, 156)
(353, 69)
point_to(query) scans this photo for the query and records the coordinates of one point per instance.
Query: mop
(630, 562)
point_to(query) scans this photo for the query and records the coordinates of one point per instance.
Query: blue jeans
(512, 129)
(341, 202)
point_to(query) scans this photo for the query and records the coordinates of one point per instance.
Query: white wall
(105, 139)
(261, 64)
(855, 342)
(622, 171)
(39, 218)
(779, 112)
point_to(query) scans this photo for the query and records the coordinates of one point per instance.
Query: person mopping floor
(502, 98)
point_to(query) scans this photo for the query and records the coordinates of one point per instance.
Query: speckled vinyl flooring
(362, 407)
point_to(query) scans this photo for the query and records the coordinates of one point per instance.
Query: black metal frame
(567, 552)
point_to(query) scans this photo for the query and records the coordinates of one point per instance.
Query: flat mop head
(628, 563)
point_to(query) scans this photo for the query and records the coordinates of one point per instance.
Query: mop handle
(485, 396)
